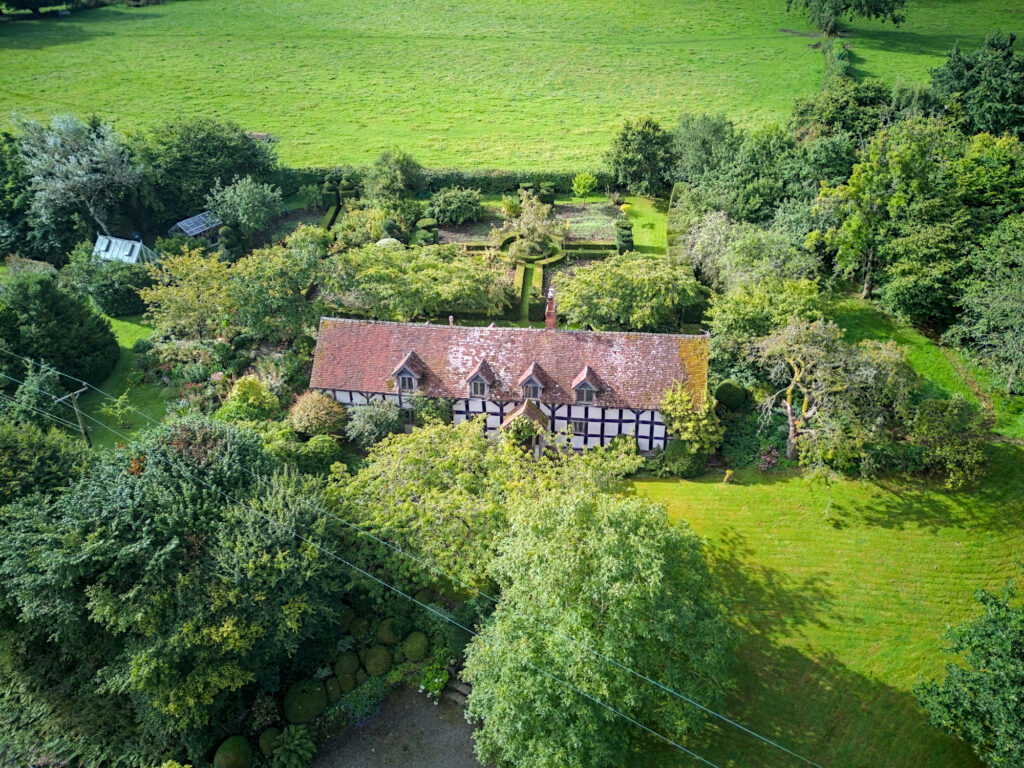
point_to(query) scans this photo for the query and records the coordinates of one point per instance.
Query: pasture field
(532, 84)
(840, 594)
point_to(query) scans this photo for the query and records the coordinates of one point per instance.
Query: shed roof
(118, 249)
(632, 370)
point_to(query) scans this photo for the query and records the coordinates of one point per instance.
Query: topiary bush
(314, 413)
(267, 740)
(347, 682)
(333, 688)
(305, 701)
(623, 235)
(416, 646)
(454, 206)
(369, 424)
(345, 616)
(360, 629)
(731, 395)
(234, 752)
(387, 633)
(679, 461)
(378, 660)
(346, 664)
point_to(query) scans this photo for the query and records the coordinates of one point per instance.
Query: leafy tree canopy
(616, 578)
(54, 327)
(642, 157)
(631, 292)
(984, 89)
(245, 204)
(395, 283)
(184, 158)
(825, 14)
(189, 295)
(979, 698)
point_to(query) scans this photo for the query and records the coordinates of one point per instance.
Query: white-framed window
(579, 426)
(531, 391)
(585, 394)
(478, 388)
(406, 383)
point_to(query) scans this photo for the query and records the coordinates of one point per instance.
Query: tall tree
(993, 321)
(183, 160)
(246, 205)
(902, 174)
(825, 14)
(642, 157)
(585, 572)
(984, 89)
(76, 166)
(14, 197)
(189, 296)
(979, 698)
(56, 328)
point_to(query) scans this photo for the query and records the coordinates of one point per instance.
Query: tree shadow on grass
(996, 503)
(813, 705)
(39, 34)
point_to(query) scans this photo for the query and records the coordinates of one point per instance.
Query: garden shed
(205, 224)
(128, 251)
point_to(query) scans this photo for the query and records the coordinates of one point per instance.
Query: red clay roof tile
(634, 369)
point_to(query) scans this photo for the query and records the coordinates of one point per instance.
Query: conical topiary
(416, 646)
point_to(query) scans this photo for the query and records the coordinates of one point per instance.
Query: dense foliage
(40, 321)
(640, 157)
(607, 560)
(453, 206)
(979, 698)
(631, 291)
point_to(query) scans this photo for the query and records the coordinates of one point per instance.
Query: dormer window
(531, 391)
(585, 394)
(478, 388)
(406, 383)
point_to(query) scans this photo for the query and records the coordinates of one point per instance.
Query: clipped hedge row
(489, 182)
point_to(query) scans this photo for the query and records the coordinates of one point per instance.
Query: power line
(398, 591)
(10, 399)
(440, 572)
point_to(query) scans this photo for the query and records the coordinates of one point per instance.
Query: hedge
(489, 182)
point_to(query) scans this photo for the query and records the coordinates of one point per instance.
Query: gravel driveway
(411, 732)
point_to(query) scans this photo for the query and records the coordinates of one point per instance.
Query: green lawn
(533, 84)
(840, 595)
(932, 28)
(947, 370)
(145, 397)
(649, 217)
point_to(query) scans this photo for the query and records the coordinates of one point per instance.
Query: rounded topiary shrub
(680, 462)
(378, 660)
(387, 633)
(455, 206)
(360, 677)
(234, 752)
(428, 224)
(304, 701)
(347, 682)
(333, 688)
(346, 664)
(345, 616)
(314, 413)
(731, 395)
(267, 740)
(360, 629)
(416, 646)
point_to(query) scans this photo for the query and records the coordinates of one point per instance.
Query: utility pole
(78, 413)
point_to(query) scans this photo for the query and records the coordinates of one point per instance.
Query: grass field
(841, 594)
(533, 84)
(537, 83)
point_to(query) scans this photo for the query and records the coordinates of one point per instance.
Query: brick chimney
(551, 311)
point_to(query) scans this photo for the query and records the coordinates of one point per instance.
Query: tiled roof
(633, 369)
